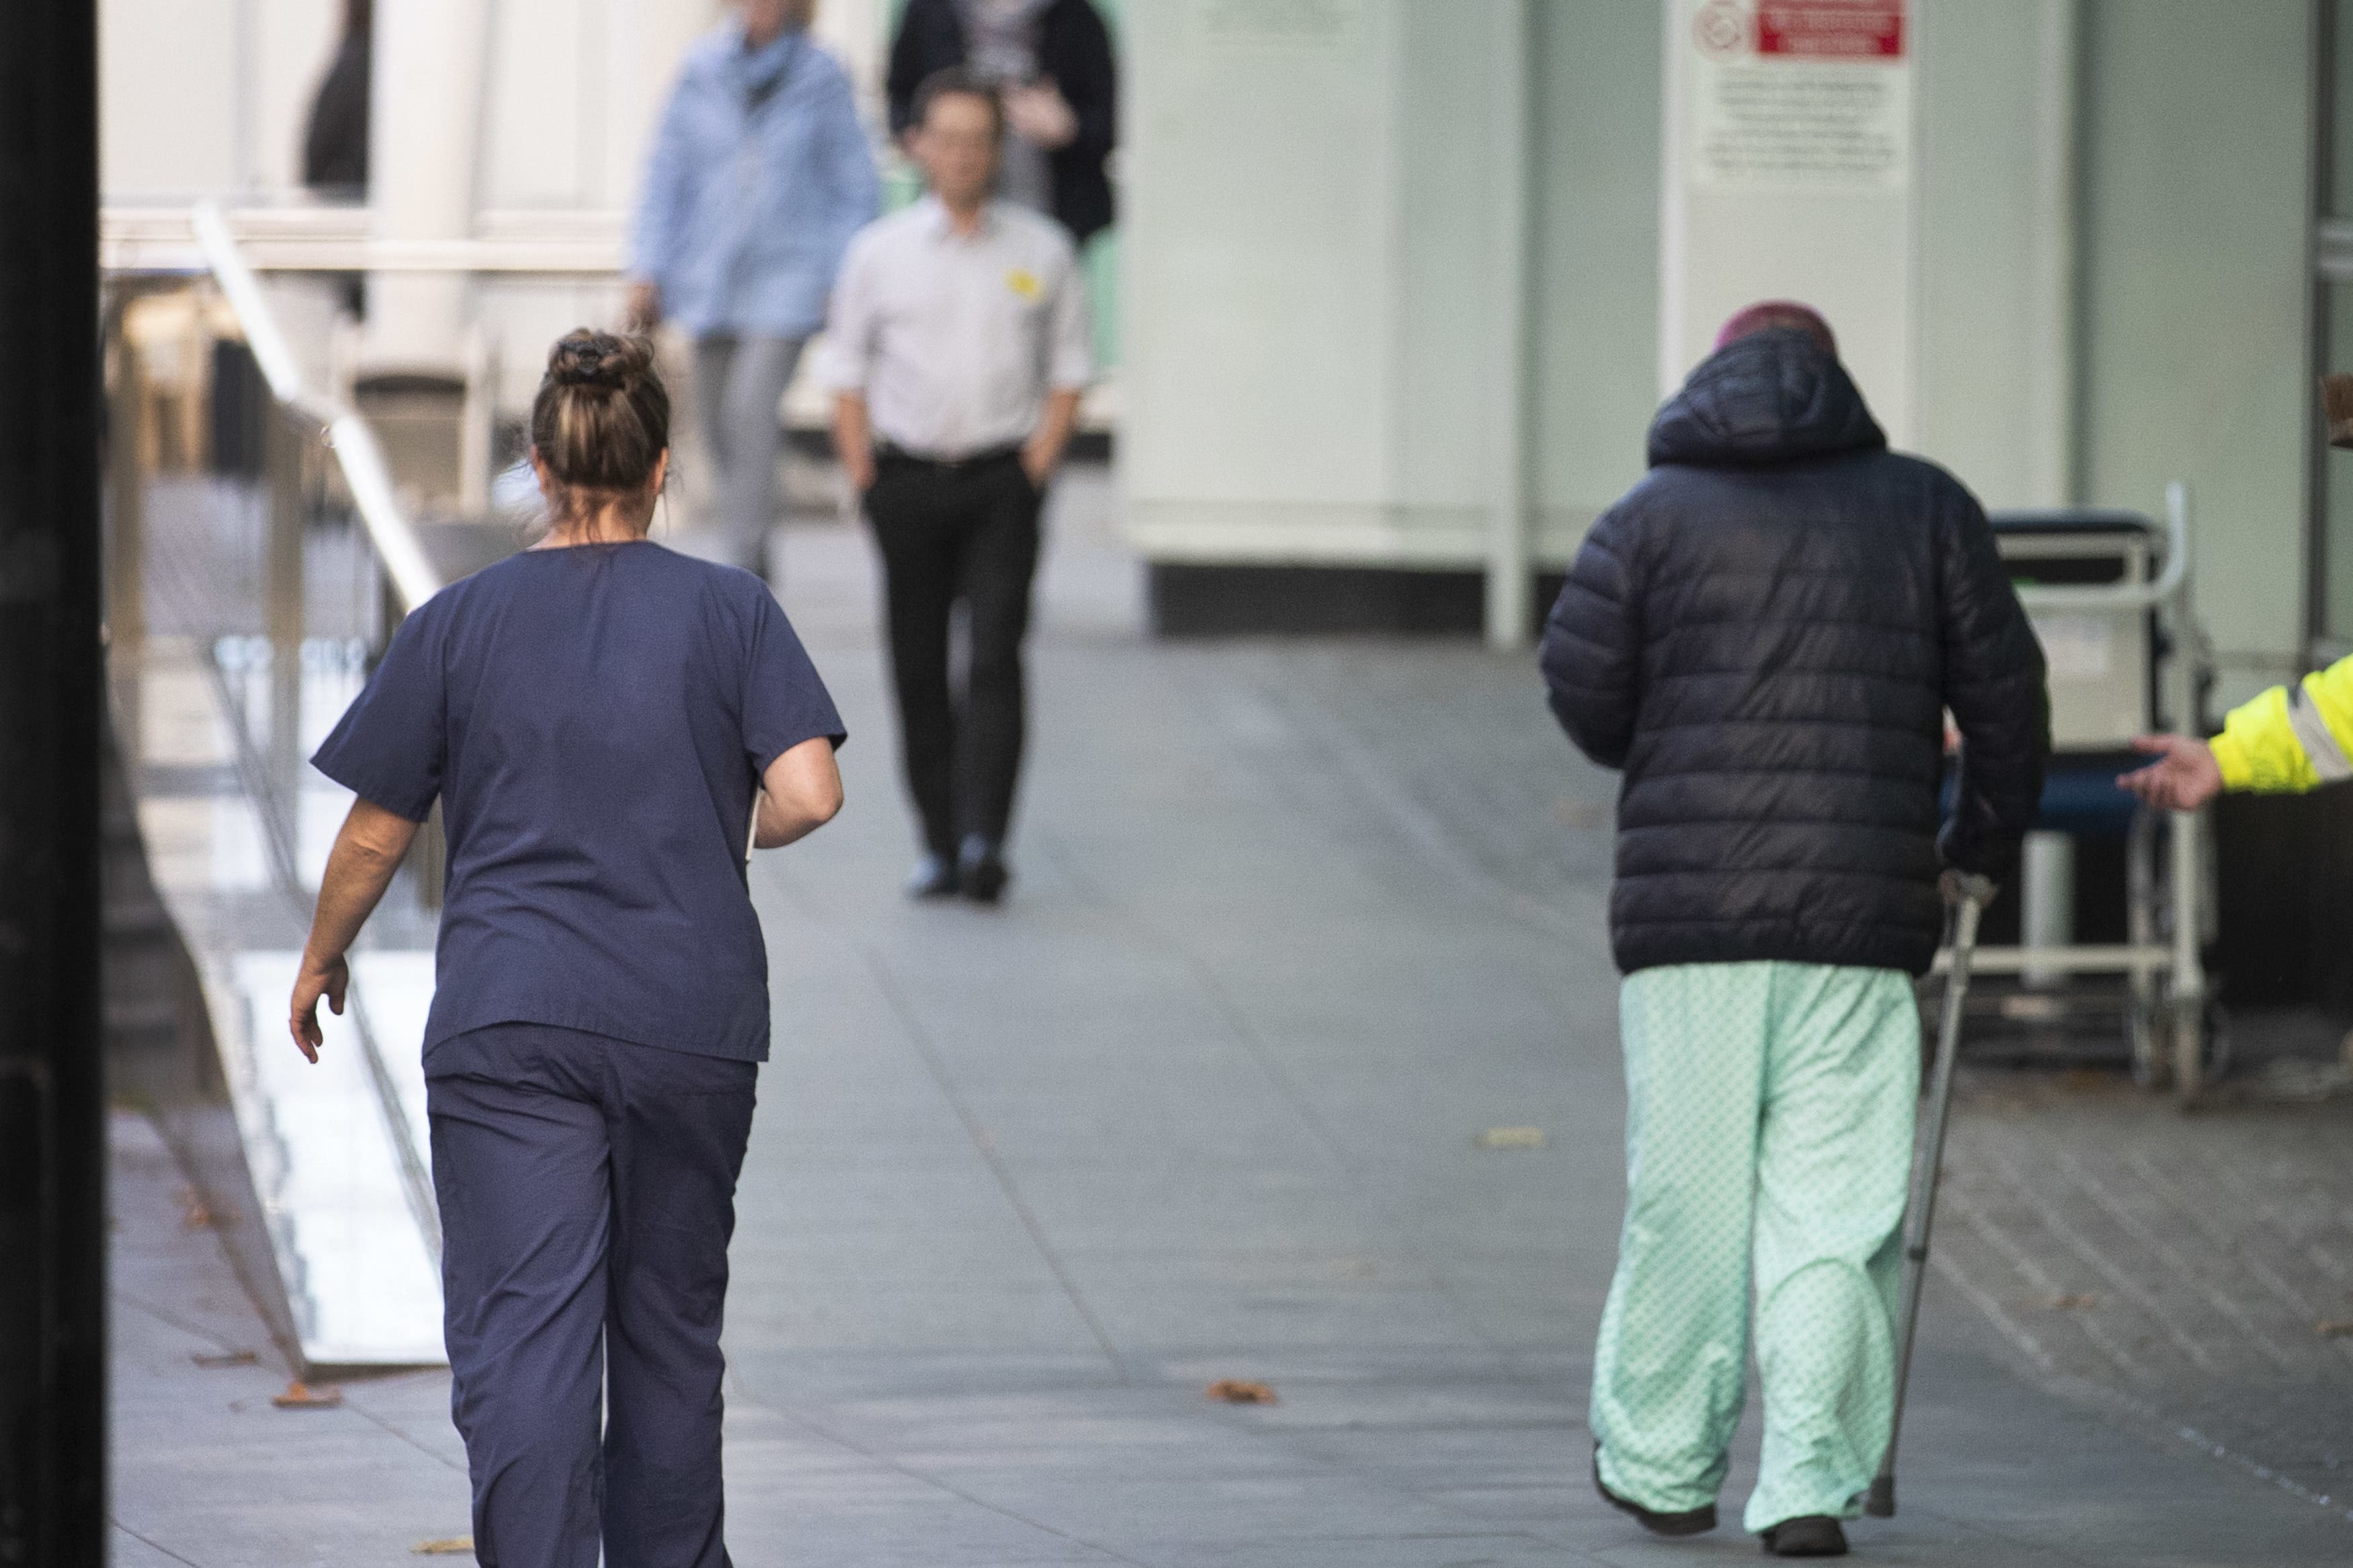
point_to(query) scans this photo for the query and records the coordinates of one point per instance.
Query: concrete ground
(1293, 925)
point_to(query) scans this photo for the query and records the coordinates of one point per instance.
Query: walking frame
(1927, 1163)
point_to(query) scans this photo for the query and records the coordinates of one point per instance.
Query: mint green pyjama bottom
(1769, 1115)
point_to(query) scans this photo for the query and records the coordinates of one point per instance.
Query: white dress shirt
(955, 339)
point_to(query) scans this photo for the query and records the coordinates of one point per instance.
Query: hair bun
(593, 359)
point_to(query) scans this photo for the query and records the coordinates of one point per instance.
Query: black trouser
(948, 532)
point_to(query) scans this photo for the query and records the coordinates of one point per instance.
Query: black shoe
(1807, 1535)
(934, 877)
(1692, 1522)
(980, 870)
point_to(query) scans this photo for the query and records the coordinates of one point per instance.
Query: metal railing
(412, 577)
(261, 554)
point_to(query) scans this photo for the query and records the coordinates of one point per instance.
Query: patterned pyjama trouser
(1769, 1115)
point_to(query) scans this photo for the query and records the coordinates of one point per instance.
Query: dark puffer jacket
(1763, 634)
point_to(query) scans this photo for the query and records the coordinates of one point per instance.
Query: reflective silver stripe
(2320, 747)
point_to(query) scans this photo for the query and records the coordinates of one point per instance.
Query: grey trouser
(738, 382)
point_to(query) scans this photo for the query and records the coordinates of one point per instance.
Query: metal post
(2188, 865)
(2188, 968)
(126, 539)
(283, 457)
(52, 1090)
(2046, 899)
(1509, 611)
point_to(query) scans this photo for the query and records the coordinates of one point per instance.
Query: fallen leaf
(444, 1546)
(1236, 1390)
(2335, 1328)
(299, 1395)
(1510, 1138)
(223, 1358)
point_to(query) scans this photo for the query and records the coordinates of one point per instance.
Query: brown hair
(601, 420)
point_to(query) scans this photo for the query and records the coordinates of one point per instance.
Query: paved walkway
(1293, 925)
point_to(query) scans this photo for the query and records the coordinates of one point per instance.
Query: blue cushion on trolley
(2086, 800)
(2079, 796)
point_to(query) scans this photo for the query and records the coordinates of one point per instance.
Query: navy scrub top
(594, 721)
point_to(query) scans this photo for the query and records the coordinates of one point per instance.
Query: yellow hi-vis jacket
(2291, 738)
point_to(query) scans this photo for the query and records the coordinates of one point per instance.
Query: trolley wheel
(2150, 1030)
(2215, 1059)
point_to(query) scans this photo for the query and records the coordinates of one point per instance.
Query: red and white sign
(1799, 94)
(1831, 30)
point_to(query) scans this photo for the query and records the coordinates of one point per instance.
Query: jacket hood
(1772, 397)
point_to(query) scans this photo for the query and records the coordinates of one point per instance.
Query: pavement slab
(1293, 922)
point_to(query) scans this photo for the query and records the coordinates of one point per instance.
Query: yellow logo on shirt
(1024, 282)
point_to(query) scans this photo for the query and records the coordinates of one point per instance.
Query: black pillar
(52, 1093)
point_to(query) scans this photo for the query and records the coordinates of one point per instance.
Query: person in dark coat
(335, 141)
(1051, 61)
(1765, 635)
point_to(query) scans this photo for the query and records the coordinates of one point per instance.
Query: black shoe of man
(1691, 1521)
(1807, 1535)
(980, 870)
(934, 877)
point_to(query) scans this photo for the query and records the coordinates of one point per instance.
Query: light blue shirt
(760, 175)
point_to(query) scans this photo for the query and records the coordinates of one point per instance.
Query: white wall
(1260, 239)
(210, 97)
(1994, 375)
(1311, 228)
(171, 81)
(2197, 160)
(1596, 262)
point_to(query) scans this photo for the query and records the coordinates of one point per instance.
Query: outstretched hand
(2184, 777)
(310, 986)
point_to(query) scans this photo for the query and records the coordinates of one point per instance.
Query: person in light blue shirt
(759, 176)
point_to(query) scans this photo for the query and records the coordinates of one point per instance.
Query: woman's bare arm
(368, 850)
(799, 793)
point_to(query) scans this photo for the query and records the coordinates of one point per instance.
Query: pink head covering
(1766, 314)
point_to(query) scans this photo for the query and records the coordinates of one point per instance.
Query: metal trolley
(2108, 593)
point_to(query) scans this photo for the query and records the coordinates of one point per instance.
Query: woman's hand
(2184, 777)
(368, 850)
(329, 980)
(641, 311)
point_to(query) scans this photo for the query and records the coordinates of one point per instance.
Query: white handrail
(2128, 596)
(414, 580)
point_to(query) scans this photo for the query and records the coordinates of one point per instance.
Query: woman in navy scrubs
(596, 716)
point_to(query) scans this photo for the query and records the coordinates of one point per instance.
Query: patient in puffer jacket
(1765, 635)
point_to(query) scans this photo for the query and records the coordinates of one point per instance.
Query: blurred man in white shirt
(957, 349)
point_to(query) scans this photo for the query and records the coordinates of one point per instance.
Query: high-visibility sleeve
(2291, 737)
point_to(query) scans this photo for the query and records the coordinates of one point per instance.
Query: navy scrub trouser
(588, 1192)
